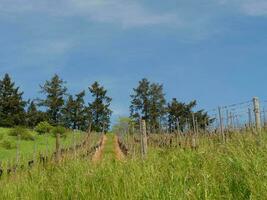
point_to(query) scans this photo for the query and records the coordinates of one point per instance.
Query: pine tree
(12, 106)
(55, 92)
(99, 108)
(34, 116)
(68, 112)
(74, 112)
(140, 100)
(181, 115)
(157, 106)
(80, 110)
(148, 102)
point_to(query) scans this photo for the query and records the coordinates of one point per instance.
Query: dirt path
(99, 153)
(119, 155)
(109, 150)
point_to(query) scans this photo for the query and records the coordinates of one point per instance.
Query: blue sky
(214, 51)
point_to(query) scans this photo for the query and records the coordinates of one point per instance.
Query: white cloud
(124, 12)
(248, 7)
(255, 8)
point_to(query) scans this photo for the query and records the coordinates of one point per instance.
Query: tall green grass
(236, 170)
(28, 147)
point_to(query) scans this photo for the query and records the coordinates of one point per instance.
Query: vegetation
(27, 148)
(11, 104)
(185, 165)
(58, 107)
(59, 130)
(149, 103)
(43, 127)
(236, 170)
(100, 108)
(21, 133)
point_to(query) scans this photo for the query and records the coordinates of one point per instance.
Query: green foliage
(123, 125)
(148, 102)
(33, 116)
(40, 144)
(21, 132)
(1, 136)
(43, 127)
(55, 91)
(11, 104)
(74, 112)
(99, 109)
(59, 130)
(181, 114)
(6, 144)
(234, 171)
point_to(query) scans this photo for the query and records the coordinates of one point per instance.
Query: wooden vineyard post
(18, 150)
(221, 124)
(74, 143)
(193, 144)
(143, 139)
(249, 119)
(46, 145)
(57, 147)
(256, 104)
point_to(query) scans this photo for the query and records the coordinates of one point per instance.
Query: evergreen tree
(181, 115)
(81, 112)
(99, 108)
(74, 112)
(157, 104)
(140, 100)
(12, 106)
(69, 112)
(34, 116)
(148, 102)
(55, 92)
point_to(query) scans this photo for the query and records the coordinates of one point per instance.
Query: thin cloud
(248, 7)
(124, 12)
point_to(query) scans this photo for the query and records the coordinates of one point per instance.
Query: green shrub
(8, 144)
(43, 127)
(59, 129)
(23, 132)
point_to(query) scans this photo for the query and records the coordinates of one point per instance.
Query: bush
(23, 132)
(43, 127)
(8, 144)
(59, 129)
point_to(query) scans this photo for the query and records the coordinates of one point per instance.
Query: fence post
(143, 139)
(18, 150)
(256, 105)
(46, 145)
(57, 147)
(249, 118)
(74, 143)
(221, 124)
(34, 150)
(264, 119)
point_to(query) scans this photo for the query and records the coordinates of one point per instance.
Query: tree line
(148, 102)
(56, 107)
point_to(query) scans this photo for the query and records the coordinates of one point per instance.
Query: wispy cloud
(248, 7)
(124, 12)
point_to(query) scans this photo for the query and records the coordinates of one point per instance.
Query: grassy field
(236, 170)
(27, 148)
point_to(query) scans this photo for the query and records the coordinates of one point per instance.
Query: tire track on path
(119, 155)
(99, 153)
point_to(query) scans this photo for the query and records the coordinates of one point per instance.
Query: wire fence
(244, 115)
